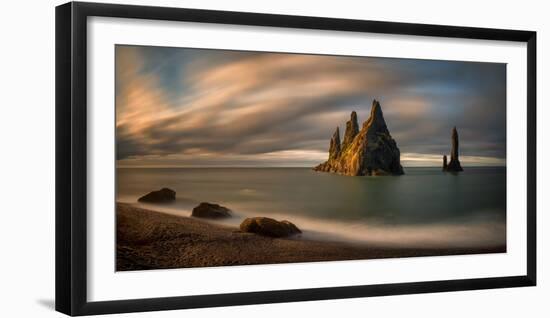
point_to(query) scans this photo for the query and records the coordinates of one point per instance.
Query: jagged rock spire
(454, 144)
(376, 122)
(352, 128)
(371, 151)
(334, 150)
(454, 164)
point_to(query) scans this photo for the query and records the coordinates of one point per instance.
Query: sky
(184, 107)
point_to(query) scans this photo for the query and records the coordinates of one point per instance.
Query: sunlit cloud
(199, 158)
(430, 160)
(188, 107)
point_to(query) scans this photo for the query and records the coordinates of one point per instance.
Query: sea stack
(334, 150)
(366, 152)
(454, 164)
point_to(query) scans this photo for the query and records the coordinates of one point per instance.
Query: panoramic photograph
(230, 157)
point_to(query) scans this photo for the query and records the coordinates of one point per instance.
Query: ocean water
(423, 208)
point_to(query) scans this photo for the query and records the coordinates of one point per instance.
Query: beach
(148, 239)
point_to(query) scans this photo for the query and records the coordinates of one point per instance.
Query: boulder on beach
(269, 227)
(163, 195)
(210, 211)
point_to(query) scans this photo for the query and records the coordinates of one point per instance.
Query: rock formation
(163, 195)
(454, 164)
(334, 149)
(365, 152)
(210, 211)
(352, 128)
(269, 227)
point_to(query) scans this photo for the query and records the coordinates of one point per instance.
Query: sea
(425, 207)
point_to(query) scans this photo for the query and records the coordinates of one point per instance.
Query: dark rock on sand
(163, 195)
(454, 164)
(370, 151)
(269, 227)
(211, 211)
(444, 162)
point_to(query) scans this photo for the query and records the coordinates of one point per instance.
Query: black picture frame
(71, 157)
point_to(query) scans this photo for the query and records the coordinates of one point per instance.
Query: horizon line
(275, 167)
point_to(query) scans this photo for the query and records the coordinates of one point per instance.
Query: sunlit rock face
(334, 149)
(370, 151)
(352, 129)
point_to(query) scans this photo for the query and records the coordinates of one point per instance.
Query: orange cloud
(258, 103)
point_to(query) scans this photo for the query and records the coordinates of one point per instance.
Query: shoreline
(148, 239)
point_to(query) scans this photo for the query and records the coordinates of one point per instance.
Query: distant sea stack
(366, 152)
(454, 164)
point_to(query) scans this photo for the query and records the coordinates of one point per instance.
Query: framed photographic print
(208, 158)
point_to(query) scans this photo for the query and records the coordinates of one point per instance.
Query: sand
(148, 239)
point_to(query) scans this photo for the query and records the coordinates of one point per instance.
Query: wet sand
(148, 239)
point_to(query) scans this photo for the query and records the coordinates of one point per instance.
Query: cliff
(365, 152)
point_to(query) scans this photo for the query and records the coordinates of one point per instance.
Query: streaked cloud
(190, 107)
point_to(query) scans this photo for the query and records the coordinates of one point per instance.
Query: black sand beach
(148, 239)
